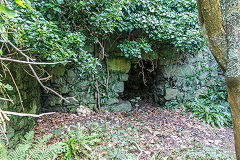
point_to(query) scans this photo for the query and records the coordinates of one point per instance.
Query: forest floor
(149, 133)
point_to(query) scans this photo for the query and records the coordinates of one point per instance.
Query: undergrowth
(99, 140)
(28, 149)
(92, 142)
(212, 107)
(197, 152)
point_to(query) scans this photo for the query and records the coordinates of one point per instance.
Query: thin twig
(4, 99)
(141, 151)
(143, 74)
(27, 62)
(33, 71)
(107, 74)
(102, 51)
(45, 87)
(20, 98)
(27, 57)
(98, 95)
(26, 114)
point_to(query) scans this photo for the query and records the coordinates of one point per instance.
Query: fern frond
(35, 151)
(3, 152)
(19, 153)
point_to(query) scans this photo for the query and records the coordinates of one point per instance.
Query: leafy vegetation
(160, 22)
(86, 141)
(28, 149)
(199, 153)
(212, 107)
(79, 144)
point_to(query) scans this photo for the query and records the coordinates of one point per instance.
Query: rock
(64, 89)
(53, 100)
(88, 98)
(113, 77)
(58, 71)
(167, 55)
(119, 87)
(71, 73)
(83, 111)
(179, 71)
(160, 89)
(71, 77)
(72, 109)
(171, 94)
(112, 101)
(119, 64)
(57, 108)
(124, 106)
(71, 101)
(82, 85)
(123, 77)
(89, 48)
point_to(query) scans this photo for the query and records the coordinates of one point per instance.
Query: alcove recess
(145, 81)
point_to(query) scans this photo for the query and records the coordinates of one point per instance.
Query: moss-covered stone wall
(30, 93)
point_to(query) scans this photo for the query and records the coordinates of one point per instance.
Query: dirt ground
(163, 132)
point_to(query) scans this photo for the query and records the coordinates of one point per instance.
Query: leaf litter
(159, 133)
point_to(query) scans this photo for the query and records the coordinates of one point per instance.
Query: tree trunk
(233, 85)
(223, 39)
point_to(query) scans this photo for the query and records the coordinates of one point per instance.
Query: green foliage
(144, 24)
(43, 39)
(198, 152)
(171, 22)
(134, 49)
(89, 141)
(28, 149)
(212, 107)
(79, 144)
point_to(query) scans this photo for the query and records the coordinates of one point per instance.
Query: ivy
(134, 49)
(159, 22)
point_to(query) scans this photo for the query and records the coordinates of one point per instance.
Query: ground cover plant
(149, 133)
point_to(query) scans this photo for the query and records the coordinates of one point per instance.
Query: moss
(119, 64)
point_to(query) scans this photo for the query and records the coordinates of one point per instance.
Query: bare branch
(4, 99)
(33, 71)
(20, 98)
(27, 57)
(45, 87)
(25, 114)
(27, 62)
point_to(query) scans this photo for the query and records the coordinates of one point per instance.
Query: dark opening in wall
(145, 81)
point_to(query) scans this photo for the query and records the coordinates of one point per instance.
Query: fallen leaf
(153, 141)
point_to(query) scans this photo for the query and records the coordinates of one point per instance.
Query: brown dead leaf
(153, 141)
(104, 153)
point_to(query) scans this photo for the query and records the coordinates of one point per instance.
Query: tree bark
(233, 85)
(223, 39)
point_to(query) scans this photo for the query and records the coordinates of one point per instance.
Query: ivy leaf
(8, 87)
(3, 31)
(7, 11)
(20, 3)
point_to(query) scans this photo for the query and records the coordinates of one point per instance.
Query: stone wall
(174, 78)
(81, 90)
(30, 92)
(189, 77)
